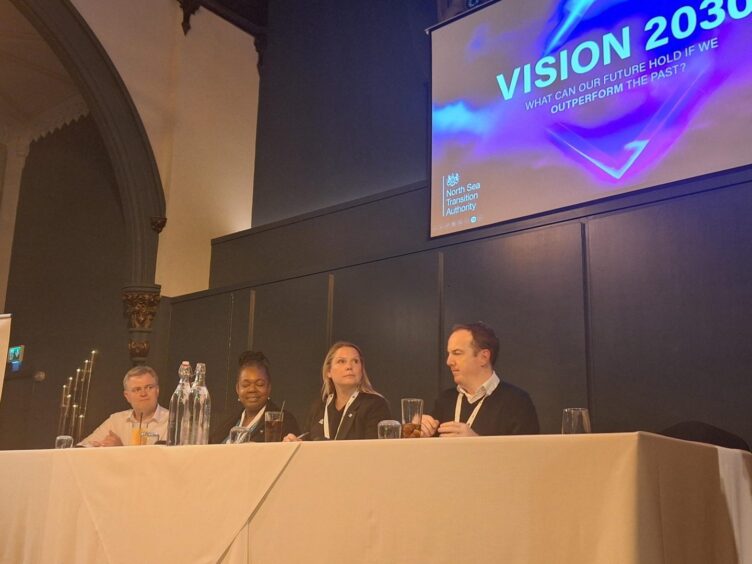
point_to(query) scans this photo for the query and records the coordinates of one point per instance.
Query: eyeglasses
(138, 390)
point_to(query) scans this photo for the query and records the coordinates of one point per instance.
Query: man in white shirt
(481, 404)
(141, 391)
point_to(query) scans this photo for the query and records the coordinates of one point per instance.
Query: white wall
(197, 96)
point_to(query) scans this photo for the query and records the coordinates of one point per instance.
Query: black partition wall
(637, 306)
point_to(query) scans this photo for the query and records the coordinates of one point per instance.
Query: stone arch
(124, 135)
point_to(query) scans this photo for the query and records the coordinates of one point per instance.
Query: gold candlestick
(88, 369)
(67, 412)
(79, 426)
(61, 417)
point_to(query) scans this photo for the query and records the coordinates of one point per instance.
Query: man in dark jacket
(481, 404)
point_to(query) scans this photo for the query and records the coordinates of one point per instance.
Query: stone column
(17, 151)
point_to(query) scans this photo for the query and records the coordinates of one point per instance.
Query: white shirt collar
(157, 416)
(485, 389)
(253, 422)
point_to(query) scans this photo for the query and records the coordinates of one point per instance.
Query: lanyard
(255, 421)
(327, 433)
(458, 408)
(252, 425)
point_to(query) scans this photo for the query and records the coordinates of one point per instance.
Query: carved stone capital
(138, 350)
(189, 8)
(140, 306)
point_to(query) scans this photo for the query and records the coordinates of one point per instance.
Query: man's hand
(110, 440)
(428, 426)
(290, 438)
(455, 429)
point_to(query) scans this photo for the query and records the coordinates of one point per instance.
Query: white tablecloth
(629, 498)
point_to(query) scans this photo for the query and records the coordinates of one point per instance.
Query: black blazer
(222, 431)
(360, 422)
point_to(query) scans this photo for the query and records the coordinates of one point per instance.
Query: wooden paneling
(372, 230)
(239, 333)
(647, 326)
(201, 332)
(289, 326)
(528, 287)
(391, 310)
(392, 224)
(671, 288)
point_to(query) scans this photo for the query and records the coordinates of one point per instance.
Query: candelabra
(75, 400)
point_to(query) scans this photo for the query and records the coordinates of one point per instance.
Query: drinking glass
(63, 441)
(273, 426)
(239, 435)
(149, 437)
(412, 412)
(135, 434)
(389, 429)
(575, 420)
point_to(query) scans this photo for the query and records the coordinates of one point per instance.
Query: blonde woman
(349, 408)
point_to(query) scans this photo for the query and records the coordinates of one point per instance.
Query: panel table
(617, 498)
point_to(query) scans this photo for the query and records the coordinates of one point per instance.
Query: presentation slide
(538, 105)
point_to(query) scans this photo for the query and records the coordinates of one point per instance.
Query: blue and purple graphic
(541, 104)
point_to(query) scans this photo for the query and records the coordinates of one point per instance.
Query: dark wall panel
(66, 275)
(391, 309)
(289, 326)
(201, 331)
(343, 103)
(159, 343)
(323, 242)
(671, 304)
(648, 328)
(529, 288)
(392, 224)
(19, 395)
(239, 334)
